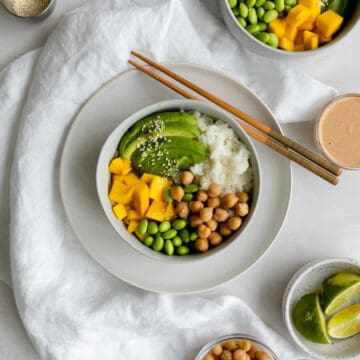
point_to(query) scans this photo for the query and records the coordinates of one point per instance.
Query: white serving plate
(118, 99)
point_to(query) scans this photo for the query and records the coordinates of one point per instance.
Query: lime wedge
(345, 323)
(339, 289)
(309, 319)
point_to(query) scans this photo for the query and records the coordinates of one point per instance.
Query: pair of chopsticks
(276, 141)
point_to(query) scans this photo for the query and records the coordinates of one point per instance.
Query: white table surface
(310, 231)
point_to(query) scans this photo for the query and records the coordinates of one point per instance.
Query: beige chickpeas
(177, 193)
(241, 209)
(244, 345)
(217, 350)
(220, 215)
(209, 357)
(213, 202)
(262, 355)
(202, 196)
(234, 223)
(206, 214)
(211, 224)
(202, 244)
(214, 190)
(226, 355)
(230, 345)
(196, 206)
(182, 210)
(203, 231)
(240, 354)
(195, 221)
(243, 197)
(229, 200)
(215, 238)
(224, 230)
(186, 177)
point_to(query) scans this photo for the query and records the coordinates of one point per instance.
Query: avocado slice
(172, 154)
(172, 128)
(143, 126)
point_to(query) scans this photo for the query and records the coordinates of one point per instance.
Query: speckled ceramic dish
(310, 278)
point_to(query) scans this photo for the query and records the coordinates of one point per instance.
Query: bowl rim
(290, 54)
(290, 288)
(167, 105)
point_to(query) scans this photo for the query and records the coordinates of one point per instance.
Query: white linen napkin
(70, 306)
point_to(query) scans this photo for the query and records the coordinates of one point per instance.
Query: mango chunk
(120, 193)
(133, 224)
(126, 167)
(298, 15)
(133, 215)
(141, 197)
(139, 236)
(130, 179)
(311, 40)
(277, 27)
(119, 211)
(170, 212)
(299, 47)
(147, 178)
(116, 166)
(322, 38)
(306, 26)
(157, 187)
(309, 3)
(329, 22)
(157, 210)
(286, 44)
(291, 32)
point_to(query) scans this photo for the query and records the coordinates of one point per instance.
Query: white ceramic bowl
(310, 278)
(252, 43)
(109, 149)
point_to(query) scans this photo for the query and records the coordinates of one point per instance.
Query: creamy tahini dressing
(339, 131)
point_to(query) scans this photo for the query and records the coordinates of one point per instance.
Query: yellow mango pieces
(133, 215)
(298, 15)
(133, 224)
(277, 27)
(120, 192)
(329, 22)
(157, 210)
(141, 197)
(286, 44)
(309, 3)
(120, 211)
(130, 179)
(157, 187)
(120, 166)
(311, 40)
(170, 212)
(147, 178)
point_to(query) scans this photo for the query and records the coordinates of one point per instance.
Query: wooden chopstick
(251, 132)
(326, 164)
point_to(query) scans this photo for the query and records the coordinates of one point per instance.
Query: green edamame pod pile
(255, 16)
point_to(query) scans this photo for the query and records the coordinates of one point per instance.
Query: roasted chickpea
(234, 223)
(213, 202)
(209, 357)
(220, 215)
(203, 231)
(211, 224)
(244, 345)
(206, 214)
(202, 196)
(186, 177)
(182, 210)
(229, 200)
(196, 206)
(202, 244)
(243, 197)
(195, 221)
(177, 193)
(262, 355)
(229, 345)
(253, 350)
(226, 355)
(224, 230)
(214, 190)
(215, 238)
(217, 350)
(241, 209)
(240, 354)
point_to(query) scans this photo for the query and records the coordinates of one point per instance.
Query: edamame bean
(290, 2)
(250, 3)
(142, 227)
(177, 241)
(158, 243)
(252, 16)
(279, 5)
(236, 11)
(164, 226)
(184, 234)
(253, 28)
(259, 3)
(166, 195)
(273, 40)
(243, 10)
(268, 5)
(241, 21)
(148, 241)
(262, 26)
(262, 36)
(270, 16)
(193, 236)
(179, 224)
(182, 250)
(188, 197)
(169, 234)
(232, 3)
(191, 188)
(260, 13)
(288, 8)
(169, 248)
(152, 228)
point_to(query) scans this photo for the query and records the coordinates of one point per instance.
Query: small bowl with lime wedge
(321, 308)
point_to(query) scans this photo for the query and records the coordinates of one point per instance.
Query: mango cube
(299, 47)
(120, 211)
(157, 187)
(120, 193)
(133, 215)
(306, 26)
(291, 32)
(311, 40)
(157, 210)
(298, 15)
(130, 179)
(286, 44)
(329, 22)
(126, 167)
(141, 197)
(147, 178)
(133, 224)
(309, 3)
(277, 27)
(170, 212)
(116, 166)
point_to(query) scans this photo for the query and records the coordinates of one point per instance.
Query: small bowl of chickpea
(236, 347)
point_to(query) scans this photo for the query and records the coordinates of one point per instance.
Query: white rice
(228, 163)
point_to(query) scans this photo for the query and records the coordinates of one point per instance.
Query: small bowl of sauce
(338, 131)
